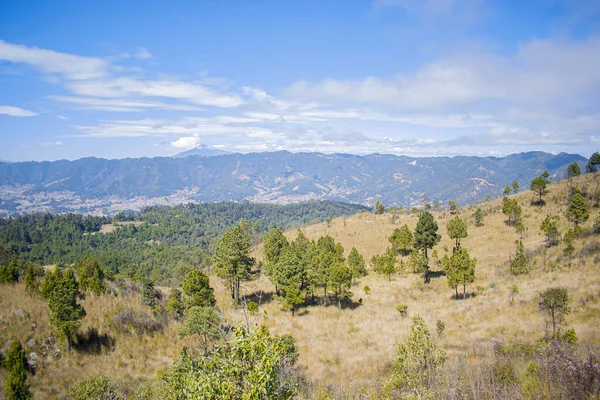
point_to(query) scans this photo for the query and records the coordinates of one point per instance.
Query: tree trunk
(464, 290)
(325, 295)
(456, 289)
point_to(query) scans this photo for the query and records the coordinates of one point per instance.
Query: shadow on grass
(92, 342)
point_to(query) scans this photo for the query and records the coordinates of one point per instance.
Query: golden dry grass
(350, 348)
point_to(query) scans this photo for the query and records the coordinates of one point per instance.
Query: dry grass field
(350, 348)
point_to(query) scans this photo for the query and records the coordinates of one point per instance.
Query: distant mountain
(202, 151)
(94, 185)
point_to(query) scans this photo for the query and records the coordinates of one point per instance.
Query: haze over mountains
(94, 185)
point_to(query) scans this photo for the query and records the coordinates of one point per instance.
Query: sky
(118, 79)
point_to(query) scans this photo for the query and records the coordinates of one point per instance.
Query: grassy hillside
(345, 353)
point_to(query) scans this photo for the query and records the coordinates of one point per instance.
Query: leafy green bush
(97, 388)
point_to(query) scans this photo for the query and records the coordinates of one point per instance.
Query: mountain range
(202, 151)
(101, 186)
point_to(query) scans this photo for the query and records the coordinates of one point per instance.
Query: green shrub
(97, 388)
(402, 309)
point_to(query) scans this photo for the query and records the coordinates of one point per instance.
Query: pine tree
(379, 207)
(385, 263)
(478, 215)
(550, 229)
(515, 186)
(273, 242)
(426, 236)
(16, 364)
(196, 290)
(578, 211)
(9, 273)
(554, 302)
(460, 269)
(288, 278)
(357, 265)
(573, 170)
(402, 239)
(519, 265)
(30, 282)
(457, 229)
(594, 163)
(232, 261)
(340, 278)
(539, 186)
(65, 312)
(203, 322)
(91, 276)
(512, 209)
(51, 280)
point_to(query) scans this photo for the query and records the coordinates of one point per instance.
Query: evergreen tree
(327, 255)
(288, 278)
(594, 163)
(385, 263)
(554, 302)
(51, 280)
(453, 206)
(91, 276)
(512, 209)
(573, 170)
(274, 242)
(16, 365)
(506, 191)
(149, 294)
(340, 279)
(203, 322)
(175, 304)
(379, 207)
(418, 364)
(402, 239)
(478, 215)
(460, 269)
(539, 186)
(457, 229)
(30, 282)
(550, 228)
(65, 312)
(9, 273)
(515, 186)
(426, 236)
(519, 265)
(196, 290)
(357, 265)
(232, 261)
(578, 211)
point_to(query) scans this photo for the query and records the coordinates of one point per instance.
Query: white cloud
(16, 112)
(186, 143)
(49, 61)
(51, 144)
(120, 105)
(143, 53)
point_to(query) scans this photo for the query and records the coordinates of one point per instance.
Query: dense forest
(155, 242)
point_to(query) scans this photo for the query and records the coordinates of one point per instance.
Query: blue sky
(132, 78)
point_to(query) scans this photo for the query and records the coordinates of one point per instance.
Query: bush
(569, 336)
(402, 309)
(128, 320)
(96, 388)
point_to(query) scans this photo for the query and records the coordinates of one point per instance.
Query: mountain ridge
(270, 177)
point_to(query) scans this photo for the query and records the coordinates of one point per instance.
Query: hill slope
(93, 185)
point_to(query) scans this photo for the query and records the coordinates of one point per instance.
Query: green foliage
(402, 309)
(594, 163)
(453, 206)
(65, 312)
(478, 215)
(232, 261)
(573, 170)
(96, 388)
(418, 364)
(357, 264)
(367, 289)
(460, 270)
(426, 236)
(539, 186)
(16, 365)
(288, 278)
(512, 209)
(402, 239)
(273, 242)
(254, 366)
(30, 282)
(515, 186)
(149, 294)
(520, 264)
(569, 336)
(554, 304)
(196, 290)
(506, 191)
(418, 262)
(9, 273)
(340, 279)
(203, 322)
(379, 207)
(252, 307)
(568, 239)
(175, 304)
(578, 210)
(385, 263)
(91, 276)
(531, 383)
(457, 229)
(550, 228)
(163, 239)
(51, 280)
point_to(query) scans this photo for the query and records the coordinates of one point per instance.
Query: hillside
(99, 186)
(346, 354)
